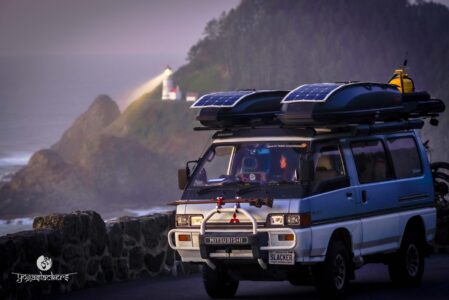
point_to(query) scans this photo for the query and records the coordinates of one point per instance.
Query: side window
(328, 163)
(405, 156)
(371, 161)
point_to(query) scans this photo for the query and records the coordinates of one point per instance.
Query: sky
(74, 27)
(86, 27)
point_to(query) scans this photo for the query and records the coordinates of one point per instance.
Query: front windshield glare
(258, 163)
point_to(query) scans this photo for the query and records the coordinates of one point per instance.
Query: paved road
(372, 282)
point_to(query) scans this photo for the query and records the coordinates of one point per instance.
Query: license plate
(281, 258)
(226, 240)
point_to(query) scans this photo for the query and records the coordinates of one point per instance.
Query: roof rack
(347, 129)
(360, 106)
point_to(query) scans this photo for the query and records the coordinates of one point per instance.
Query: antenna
(404, 65)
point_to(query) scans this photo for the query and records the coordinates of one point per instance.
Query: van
(308, 186)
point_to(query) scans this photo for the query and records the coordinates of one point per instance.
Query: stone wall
(81, 243)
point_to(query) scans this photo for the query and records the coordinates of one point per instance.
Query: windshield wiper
(283, 182)
(257, 186)
(207, 189)
(254, 187)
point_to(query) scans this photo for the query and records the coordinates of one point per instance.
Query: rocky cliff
(164, 127)
(102, 112)
(96, 167)
(46, 184)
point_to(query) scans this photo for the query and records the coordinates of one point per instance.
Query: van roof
(280, 133)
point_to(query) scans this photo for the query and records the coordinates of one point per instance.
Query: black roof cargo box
(338, 103)
(419, 105)
(239, 108)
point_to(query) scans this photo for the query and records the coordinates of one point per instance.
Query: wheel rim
(339, 271)
(412, 260)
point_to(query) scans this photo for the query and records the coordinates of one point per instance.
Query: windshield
(257, 163)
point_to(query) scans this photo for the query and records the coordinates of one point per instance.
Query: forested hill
(282, 44)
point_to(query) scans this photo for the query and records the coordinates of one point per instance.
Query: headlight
(300, 220)
(188, 220)
(277, 220)
(293, 219)
(196, 220)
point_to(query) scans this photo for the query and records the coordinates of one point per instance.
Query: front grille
(217, 225)
(243, 225)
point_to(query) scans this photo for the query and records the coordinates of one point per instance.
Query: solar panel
(221, 99)
(315, 92)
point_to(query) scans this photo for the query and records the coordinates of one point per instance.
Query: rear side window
(405, 156)
(329, 170)
(371, 161)
(328, 163)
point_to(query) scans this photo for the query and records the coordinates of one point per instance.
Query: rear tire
(332, 277)
(407, 266)
(218, 283)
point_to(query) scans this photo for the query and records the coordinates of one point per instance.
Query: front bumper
(252, 243)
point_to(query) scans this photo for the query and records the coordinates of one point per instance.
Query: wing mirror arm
(190, 170)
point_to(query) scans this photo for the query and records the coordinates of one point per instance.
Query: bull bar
(255, 230)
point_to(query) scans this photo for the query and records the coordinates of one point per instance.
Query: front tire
(407, 265)
(332, 278)
(218, 283)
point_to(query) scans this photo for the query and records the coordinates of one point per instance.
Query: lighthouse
(167, 83)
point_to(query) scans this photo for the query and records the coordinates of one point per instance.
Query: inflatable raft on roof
(316, 105)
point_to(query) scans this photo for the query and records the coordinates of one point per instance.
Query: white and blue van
(307, 186)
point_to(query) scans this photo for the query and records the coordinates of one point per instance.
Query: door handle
(349, 195)
(364, 197)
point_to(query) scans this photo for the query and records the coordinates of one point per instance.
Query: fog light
(286, 237)
(184, 238)
(182, 220)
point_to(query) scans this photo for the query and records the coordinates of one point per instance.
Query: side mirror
(182, 178)
(184, 174)
(306, 170)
